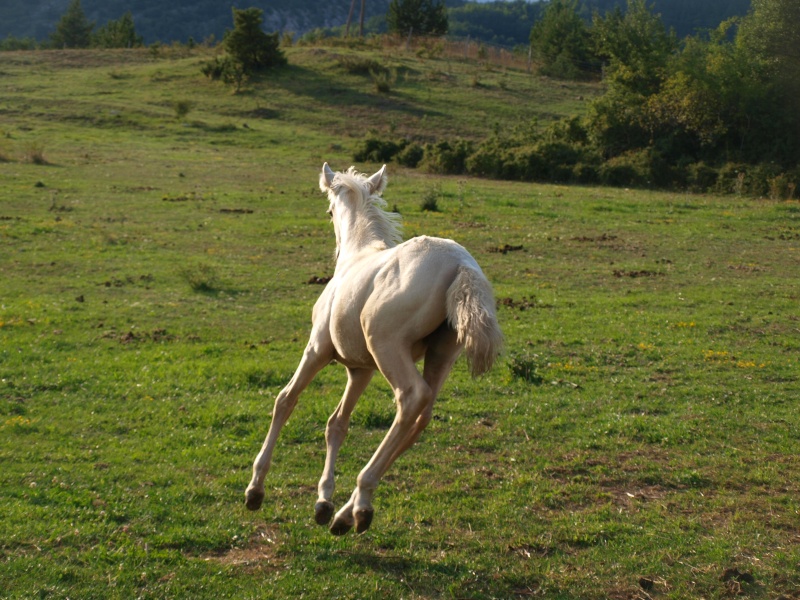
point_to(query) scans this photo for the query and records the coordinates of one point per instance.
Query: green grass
(639, 437)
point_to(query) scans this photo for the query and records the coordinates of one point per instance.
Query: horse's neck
(360, 235)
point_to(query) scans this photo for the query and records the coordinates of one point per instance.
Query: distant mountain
(509, 23)
(506, 23)
(160, 20)
(686, 17)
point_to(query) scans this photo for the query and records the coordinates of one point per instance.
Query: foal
(388, 305)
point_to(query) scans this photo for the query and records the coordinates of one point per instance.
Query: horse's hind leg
(443, 350)
(335, 432)
(314, 359)
(413, 396)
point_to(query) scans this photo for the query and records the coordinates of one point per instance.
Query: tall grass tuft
(182, 108)
(384, 80)
(430, 201)
(34, 154)
(202, 277)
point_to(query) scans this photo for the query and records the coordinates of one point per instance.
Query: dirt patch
(259, 553)
(470, 224)
(747, 268)
(636, 274)
(315, 280)
(156, 335)
(237, 211)
(505, 249)
(129, 280)
(522, 304)
(600, 238)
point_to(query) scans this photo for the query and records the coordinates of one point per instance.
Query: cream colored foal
(388, 305)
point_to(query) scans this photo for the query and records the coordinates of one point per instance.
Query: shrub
(430, 201)
(526, 367)
(447, 158)
(359, 65)
(700, 177)
(182, 108)
(202, 277)
(585, 173)
(34, 154)
(637, 168)
(486, 161)
(384, 80)
(374, 149)
(731, 178)
(411, 155)
(226, 70)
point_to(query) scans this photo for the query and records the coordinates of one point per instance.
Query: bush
(182, 108)
(446, 158)
(623, 171)
(374, 149)
(526, 367)
(430, 201)
(226, 70)
(700, 177)
(201, 277)
(411, 155)
(637, 168)
(585, 173)
(384, 80)
(486, 161)
(358, 65)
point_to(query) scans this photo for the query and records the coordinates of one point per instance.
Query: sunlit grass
(638, 437)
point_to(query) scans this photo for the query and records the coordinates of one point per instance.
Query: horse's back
(395, 297)
(409, 297)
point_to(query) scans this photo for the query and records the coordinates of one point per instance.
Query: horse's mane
(377, 222)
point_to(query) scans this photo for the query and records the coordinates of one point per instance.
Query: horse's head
(357, 209)
(332, 183)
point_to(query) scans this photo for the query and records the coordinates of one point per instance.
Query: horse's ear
(326, 178)
(377, 183)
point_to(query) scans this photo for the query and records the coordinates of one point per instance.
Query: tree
(73, 30)
(118, 34)
(561, 40)
(249, 46)
(418, 17)
(636, 45)
(770, 36)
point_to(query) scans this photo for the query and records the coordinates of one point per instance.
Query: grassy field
(639, 439)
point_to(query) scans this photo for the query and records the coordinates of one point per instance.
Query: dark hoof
(340, 527)
(253, 499)
(323, 512)
(363, 519)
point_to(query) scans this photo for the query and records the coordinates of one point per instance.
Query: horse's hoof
(253, 498)
(363, 519)
(340, 527)
(323, 512)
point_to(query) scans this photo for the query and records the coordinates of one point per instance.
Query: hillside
(637, 440)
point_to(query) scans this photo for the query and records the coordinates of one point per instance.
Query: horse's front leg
(335, 432)
(315, 357)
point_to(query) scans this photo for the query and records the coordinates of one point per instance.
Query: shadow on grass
(303, 82)
(423, 577)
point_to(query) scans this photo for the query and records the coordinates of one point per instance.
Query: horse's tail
(471, 312)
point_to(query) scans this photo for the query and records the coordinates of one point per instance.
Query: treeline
(25, 24)
(708, 113)
(74, 30)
